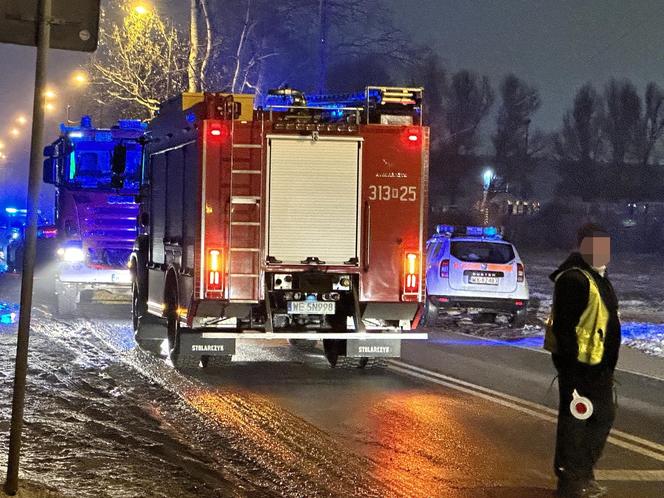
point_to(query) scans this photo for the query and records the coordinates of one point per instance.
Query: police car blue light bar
(469, 231)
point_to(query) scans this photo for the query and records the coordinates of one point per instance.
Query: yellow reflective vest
(591, 329)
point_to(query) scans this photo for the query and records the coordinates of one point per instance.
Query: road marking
(618, 438)
(629, 475)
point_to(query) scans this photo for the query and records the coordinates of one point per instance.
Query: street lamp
(80, 78)
(142, 8)
(488, 177)
(14, 132)
(22, 120)
(50, 94)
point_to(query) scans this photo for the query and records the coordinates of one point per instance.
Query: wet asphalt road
(109, 420)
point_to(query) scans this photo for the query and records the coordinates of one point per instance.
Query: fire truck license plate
(311, 308)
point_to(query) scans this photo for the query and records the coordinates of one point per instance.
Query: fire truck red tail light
(412, 137)
(215, 266)
(411, 273)
(217, 131)
(445, 268)
(520, 273)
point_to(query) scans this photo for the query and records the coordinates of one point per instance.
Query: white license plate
(483, 280)
(311, 307)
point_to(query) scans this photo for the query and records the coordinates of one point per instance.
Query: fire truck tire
(139, 306)
(303, 344)
(216, 361)
(181, 361)
(364, 363)
(518, 319)
(66, 302)
(334, 350)
(371, 363)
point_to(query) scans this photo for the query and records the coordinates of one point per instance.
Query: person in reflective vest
(583, 336)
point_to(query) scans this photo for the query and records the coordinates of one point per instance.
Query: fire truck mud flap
(195, 343)
(373, 348)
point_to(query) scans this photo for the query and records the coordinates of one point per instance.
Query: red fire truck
(303, 220)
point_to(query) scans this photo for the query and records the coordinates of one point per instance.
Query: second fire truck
(304, 221)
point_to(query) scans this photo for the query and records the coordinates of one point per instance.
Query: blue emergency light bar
(87, 132)
(132, 124)
(469, 231)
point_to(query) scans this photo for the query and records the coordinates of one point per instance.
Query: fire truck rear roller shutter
(313, 197)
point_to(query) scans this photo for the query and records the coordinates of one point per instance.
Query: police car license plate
(311, 307)
(480, 279)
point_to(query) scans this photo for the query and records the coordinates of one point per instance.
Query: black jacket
(570, 301)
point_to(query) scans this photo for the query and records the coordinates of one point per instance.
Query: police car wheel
(430, 316)
(518, 319)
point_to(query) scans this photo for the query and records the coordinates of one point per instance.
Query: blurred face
(596, 251)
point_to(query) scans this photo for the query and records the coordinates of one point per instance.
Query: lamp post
(488, 176)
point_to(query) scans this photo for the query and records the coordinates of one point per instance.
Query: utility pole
(34, 186)
(78, 31)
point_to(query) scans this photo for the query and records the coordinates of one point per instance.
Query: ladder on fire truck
(244, 219)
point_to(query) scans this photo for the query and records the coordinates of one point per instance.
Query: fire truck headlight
(72, 254)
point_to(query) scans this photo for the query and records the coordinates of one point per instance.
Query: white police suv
(474, 268)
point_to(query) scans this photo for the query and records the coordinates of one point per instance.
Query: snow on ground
(106, 419)
(638, 280)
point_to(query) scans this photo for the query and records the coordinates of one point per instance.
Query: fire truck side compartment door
(313, 199)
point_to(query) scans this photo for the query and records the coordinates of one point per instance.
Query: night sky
(555, 45)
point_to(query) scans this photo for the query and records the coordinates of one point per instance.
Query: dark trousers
(579, 443)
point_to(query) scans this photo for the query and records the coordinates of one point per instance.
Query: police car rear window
(482, 252)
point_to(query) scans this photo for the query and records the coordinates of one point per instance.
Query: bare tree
(467, 102)
(209, 34)
(581, 136)
(578, 147)
(623, 120)
(141, 61)
(515, 147)
(194, 49)
(652, 127)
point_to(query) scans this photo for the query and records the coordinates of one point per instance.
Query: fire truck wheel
(66, 302)
(370, 363)
(333, 349)
(139, 306)
(364, 363)
(303, 344)
(181, 361)
(216, 361)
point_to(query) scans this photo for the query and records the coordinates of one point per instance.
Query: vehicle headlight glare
(73, 255)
